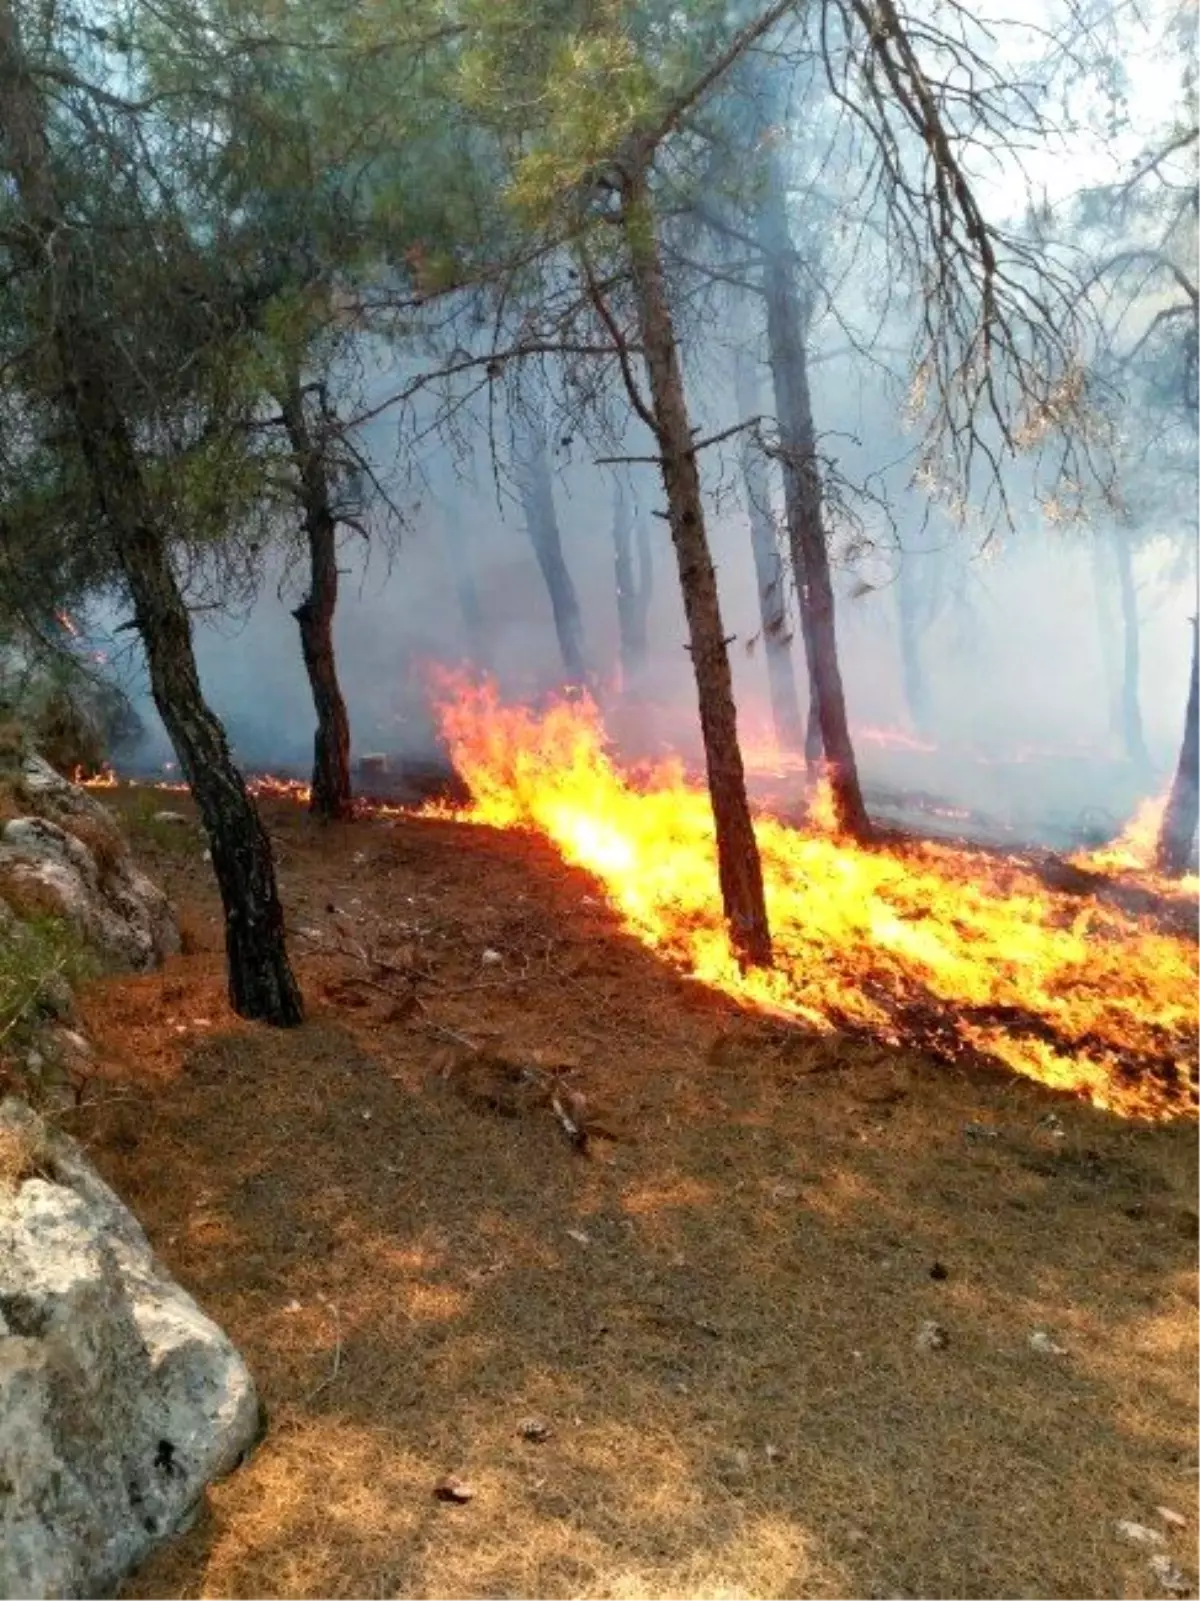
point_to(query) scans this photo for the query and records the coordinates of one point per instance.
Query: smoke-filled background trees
(827, 371)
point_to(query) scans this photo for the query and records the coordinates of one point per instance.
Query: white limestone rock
(119, 1399)
(111, 902)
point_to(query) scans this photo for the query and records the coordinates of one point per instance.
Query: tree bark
(1178, 829)
(261, 983)
(332, 797)
(541, 520)
(738, 863)
(787, 342)
(768, 571)
(631, 601)
(1132, 732)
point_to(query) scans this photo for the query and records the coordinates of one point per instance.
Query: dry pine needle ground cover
(686, 1364)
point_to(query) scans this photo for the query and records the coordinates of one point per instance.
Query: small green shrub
(64, 709)
(41, 960)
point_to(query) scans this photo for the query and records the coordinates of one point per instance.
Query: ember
(937, 946)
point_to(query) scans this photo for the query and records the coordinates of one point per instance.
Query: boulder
(70, 856)
(119, 1399)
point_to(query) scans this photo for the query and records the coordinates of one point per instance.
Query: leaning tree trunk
(331, 797)
(631, 600)
(261, 983)
(738, 864)
(1178, 830)
(768, 571)
(1131, 653)
(787, 342)
(541, 519)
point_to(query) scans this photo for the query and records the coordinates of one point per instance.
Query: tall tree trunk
(738, 864)
(912, 669)
(787, 342)
(768, 570)
(332, 797)
(541, 519)
(1178, 829)
(631, 606)
(261, 983)
(1131, 652)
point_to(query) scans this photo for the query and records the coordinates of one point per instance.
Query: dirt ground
(716, 1313)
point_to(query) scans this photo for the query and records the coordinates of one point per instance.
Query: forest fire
(939, 946)
(955, 950)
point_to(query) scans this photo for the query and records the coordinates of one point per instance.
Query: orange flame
(1134, 849)
(104, 779)
(929, 943)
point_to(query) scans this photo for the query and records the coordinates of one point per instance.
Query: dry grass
(102, 838)
(23, 1155)
(25, 894)
(716, 1314)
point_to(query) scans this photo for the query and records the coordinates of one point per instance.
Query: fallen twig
(489, 984)
(337, 1355)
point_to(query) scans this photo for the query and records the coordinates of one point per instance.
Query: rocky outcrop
(119, 1399)
(68, 856)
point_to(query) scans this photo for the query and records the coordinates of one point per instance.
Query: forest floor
(716, 1314)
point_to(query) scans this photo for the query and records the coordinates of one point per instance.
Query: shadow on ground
(716, 1315)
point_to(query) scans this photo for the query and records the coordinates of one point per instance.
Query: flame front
(931, 944)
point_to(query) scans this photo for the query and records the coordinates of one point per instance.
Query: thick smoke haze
(1018, 721)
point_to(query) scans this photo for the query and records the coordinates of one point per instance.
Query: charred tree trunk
(1178, 830)
(1132, 732)
(738, 863)
(631, 600)
(787, 340)
(541, 519)
(261, 983)
(912, 669)
(768, 571)
(332, 797)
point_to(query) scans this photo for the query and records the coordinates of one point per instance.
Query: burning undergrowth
(961, 951)
(1066, 972)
